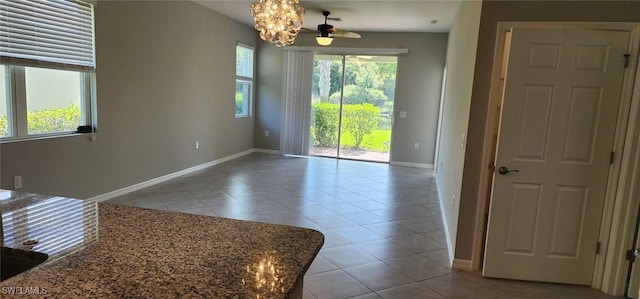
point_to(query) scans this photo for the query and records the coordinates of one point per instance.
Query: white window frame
(17, 125)
(249, 80)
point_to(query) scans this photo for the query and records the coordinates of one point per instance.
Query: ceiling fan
(327, 32)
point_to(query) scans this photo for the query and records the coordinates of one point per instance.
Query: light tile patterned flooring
(383, 229)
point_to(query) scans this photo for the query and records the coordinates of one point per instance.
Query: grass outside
(372, 142)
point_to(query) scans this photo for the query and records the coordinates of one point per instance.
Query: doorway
(560, 107)
(613, 229)
(352, 106)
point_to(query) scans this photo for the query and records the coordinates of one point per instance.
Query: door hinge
(626, 60)
(612, 157)
(598, 248)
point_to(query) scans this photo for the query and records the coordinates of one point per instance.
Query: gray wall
(165, 72)
(418, 85)
(461, 55)
(269, 96)
(492, 13)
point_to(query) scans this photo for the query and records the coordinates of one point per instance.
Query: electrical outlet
(197, 144)
(17, 182)
(266, 133)
(416, 146)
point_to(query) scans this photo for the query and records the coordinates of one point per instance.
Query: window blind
(244, 61)
(58, 33)
(296, 103)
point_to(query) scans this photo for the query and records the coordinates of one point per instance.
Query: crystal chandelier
(278, 21)
(265, 277)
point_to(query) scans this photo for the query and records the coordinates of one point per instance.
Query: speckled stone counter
(142, 253)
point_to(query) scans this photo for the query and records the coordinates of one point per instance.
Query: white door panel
(557, 125)
(634, 283)
(634, 279)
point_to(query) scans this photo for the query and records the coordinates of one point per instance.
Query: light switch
(403, 114)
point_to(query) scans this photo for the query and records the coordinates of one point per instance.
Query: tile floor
(383, 229)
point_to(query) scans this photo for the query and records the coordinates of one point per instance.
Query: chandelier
(265, 276)
(278, 21)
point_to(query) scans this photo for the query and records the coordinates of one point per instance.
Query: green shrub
(324, 124)
(354, 94)
(53, 120)
(4, 130)
(239, 103)
(48, 120)
(360, 120)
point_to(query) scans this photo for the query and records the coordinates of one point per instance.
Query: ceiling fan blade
(345, 34)
(307, 30)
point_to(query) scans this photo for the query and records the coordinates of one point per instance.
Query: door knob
(503, 170)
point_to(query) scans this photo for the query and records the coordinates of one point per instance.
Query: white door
(634, 282)
(557, 126)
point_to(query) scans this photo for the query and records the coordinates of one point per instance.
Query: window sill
(40, 137)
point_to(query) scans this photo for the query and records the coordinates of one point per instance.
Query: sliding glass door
(325, 105)
(352, 106)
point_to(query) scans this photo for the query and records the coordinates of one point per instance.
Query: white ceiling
(360, 15)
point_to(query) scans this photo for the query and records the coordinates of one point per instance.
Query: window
(47, 63)
(54, 100)
(4, 100)
(244, 80)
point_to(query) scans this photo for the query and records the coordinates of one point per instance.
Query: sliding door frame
(344, 55)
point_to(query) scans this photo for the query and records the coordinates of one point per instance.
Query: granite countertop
(143, 253)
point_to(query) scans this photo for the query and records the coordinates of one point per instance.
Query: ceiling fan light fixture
(278, 21)
(324, 40)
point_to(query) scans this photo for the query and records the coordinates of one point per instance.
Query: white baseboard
(447, 235)
(460, 264)
(164, 178)
(266, 151)
(446, 226)
(410, 164)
